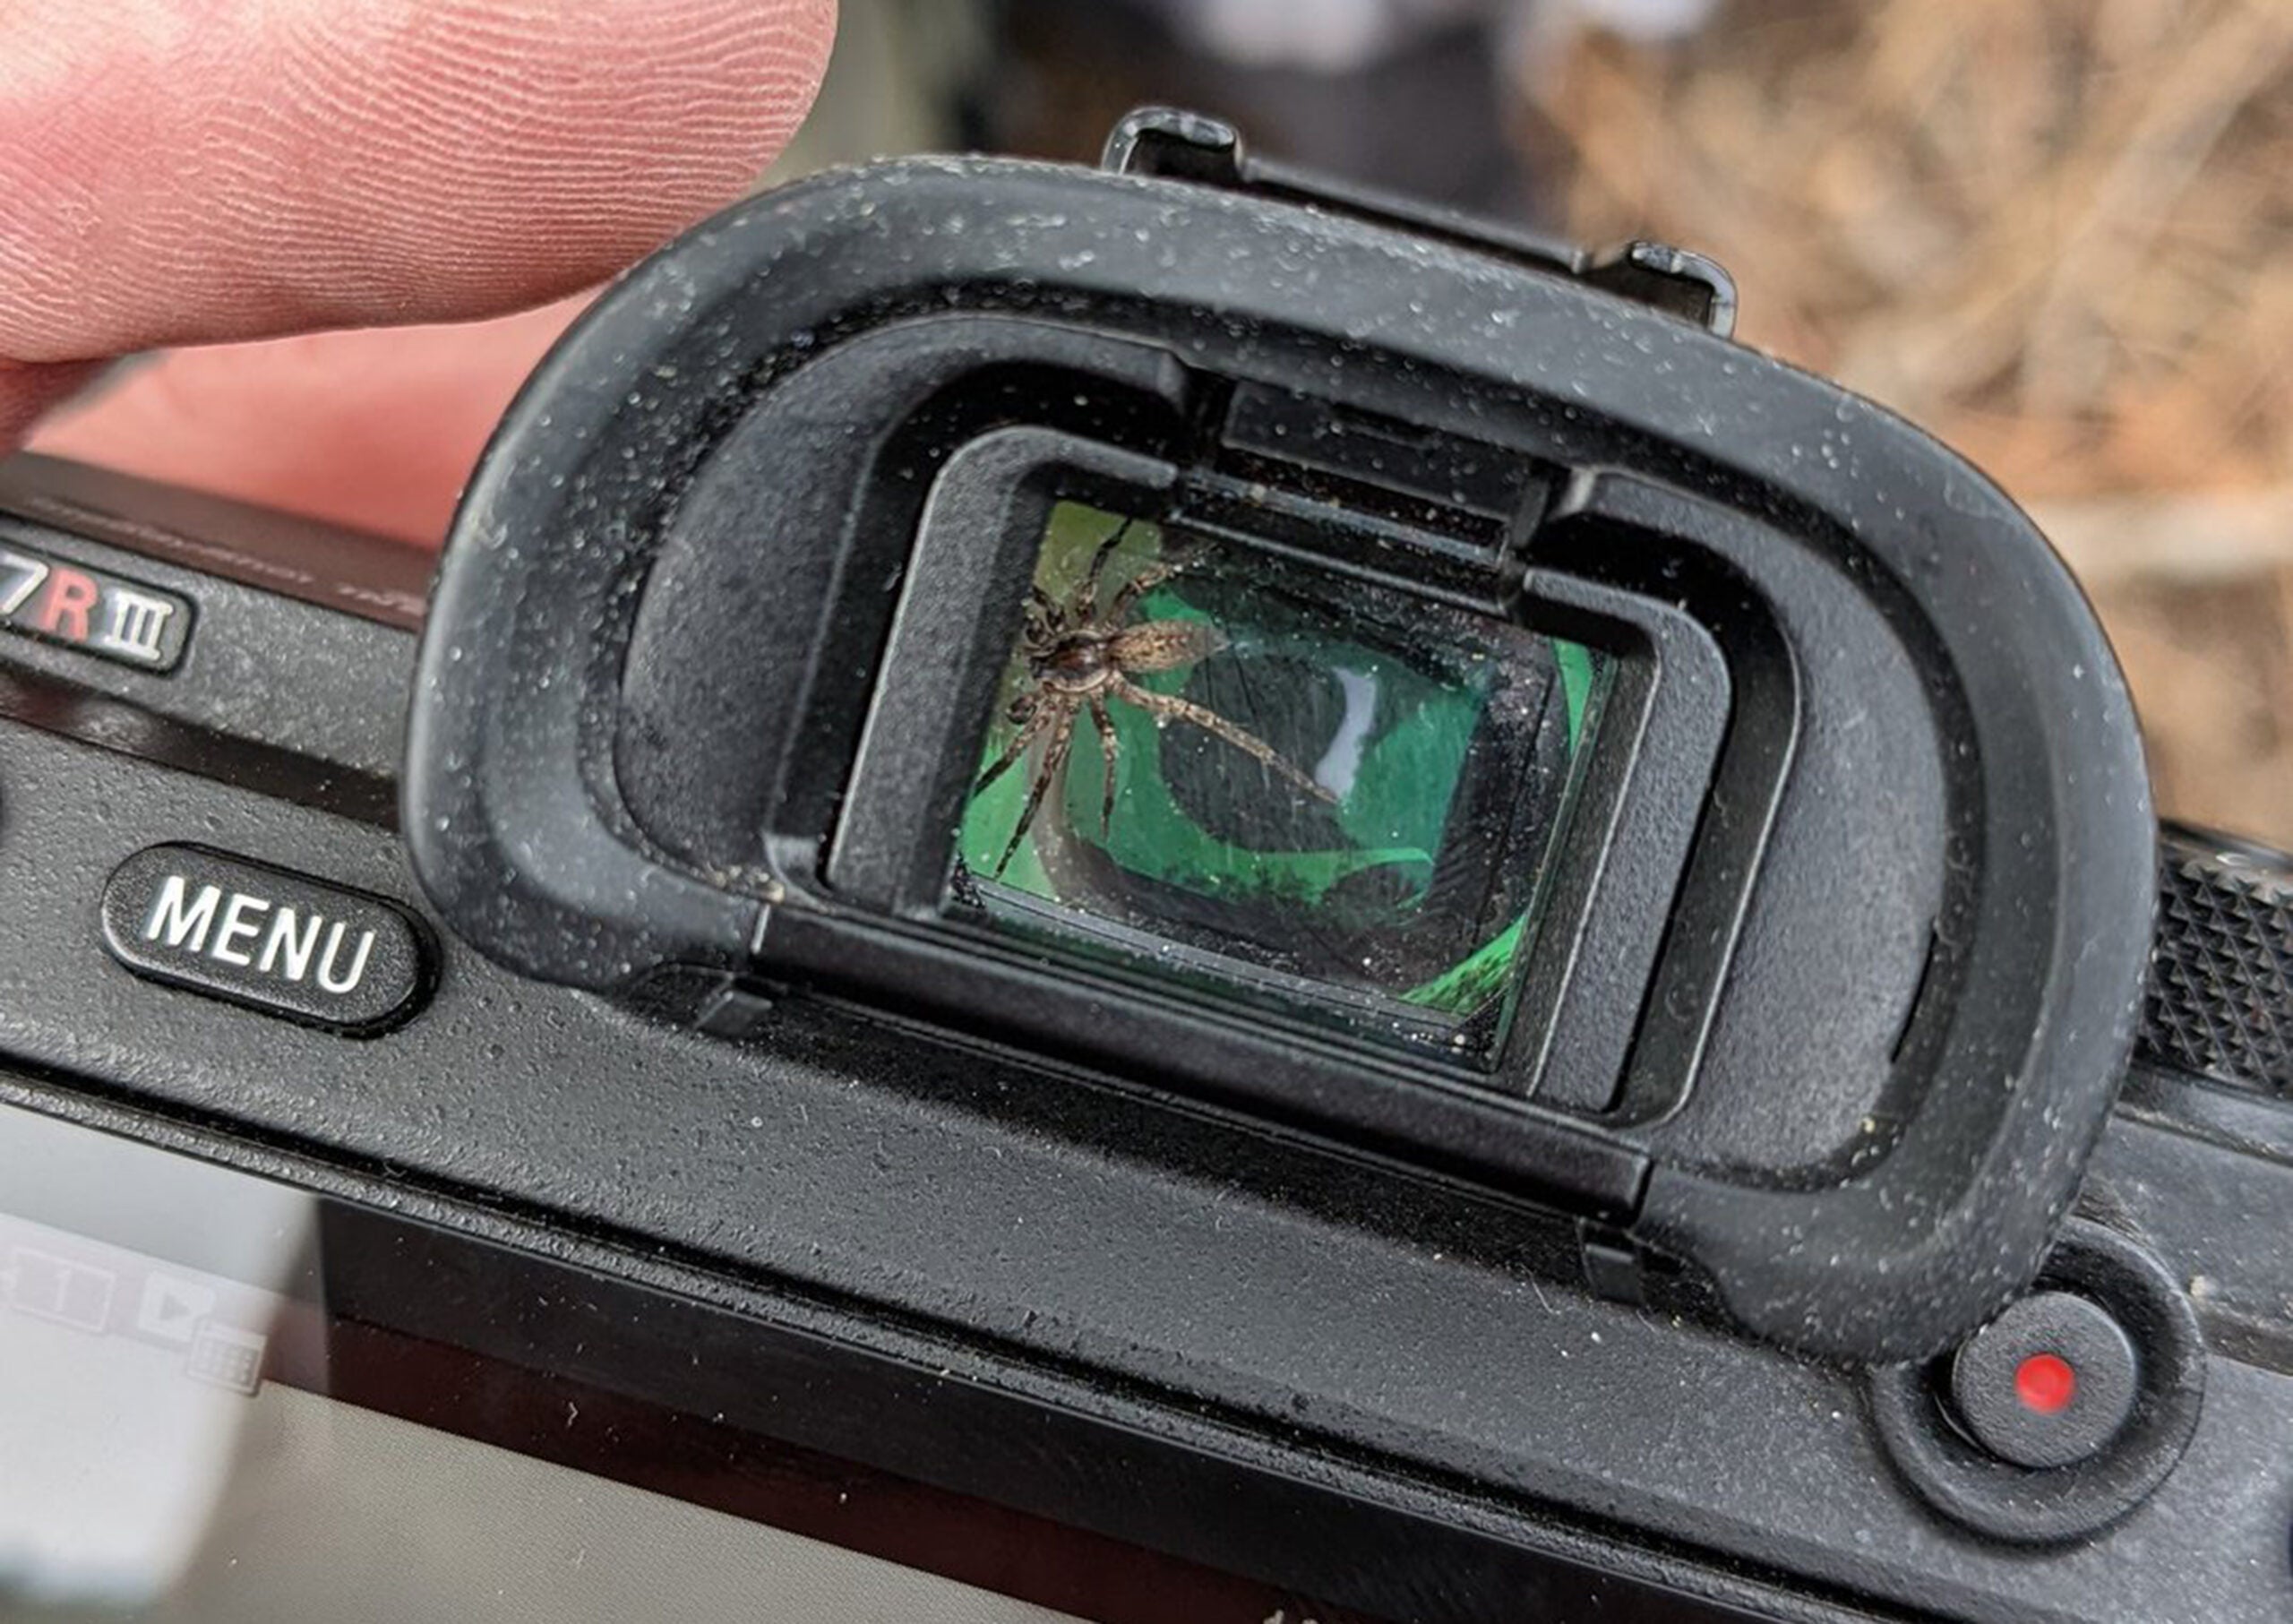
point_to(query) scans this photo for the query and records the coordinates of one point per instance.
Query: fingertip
(322, 163)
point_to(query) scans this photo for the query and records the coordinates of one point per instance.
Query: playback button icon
(180, 1313)
(171, 1309)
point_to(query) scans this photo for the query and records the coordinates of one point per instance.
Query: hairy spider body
(1082, 665)
(1079, 656)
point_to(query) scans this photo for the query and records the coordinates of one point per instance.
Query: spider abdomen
(1163, 644)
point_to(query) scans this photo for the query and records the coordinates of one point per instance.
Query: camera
(1181, 894)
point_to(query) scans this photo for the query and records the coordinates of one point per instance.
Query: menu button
(264, 937)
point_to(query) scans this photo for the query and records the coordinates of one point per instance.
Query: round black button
(1928, 1414)
(2048, 1382)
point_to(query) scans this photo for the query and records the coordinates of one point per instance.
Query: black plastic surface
(374, 577)
(1948, 805)
(1190, 146)
(1038, 1234)
(549, 1314)
(1093, 1296)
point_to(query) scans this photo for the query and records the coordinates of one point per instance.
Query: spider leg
(1054, 758)
(1086, 594)
(1137, 587)
(1200, 716)
(1026, 735)
(1053, 617)
(1111, 748)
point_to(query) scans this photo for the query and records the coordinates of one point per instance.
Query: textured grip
(2220, 1002)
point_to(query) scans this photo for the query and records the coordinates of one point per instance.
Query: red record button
(2047, 1383)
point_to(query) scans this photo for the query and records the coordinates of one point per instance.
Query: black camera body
(1269, 876)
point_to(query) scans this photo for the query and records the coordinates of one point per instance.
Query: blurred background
(2056, 233)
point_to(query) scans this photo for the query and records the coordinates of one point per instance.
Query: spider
(1079, 656)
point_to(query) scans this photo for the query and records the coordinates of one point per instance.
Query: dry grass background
(2059, 234)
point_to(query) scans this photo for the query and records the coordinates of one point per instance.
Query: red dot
(2046, 1383)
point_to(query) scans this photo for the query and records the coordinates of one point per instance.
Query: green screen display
(1273, 784)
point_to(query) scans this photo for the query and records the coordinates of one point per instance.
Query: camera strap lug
(1176, 145)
